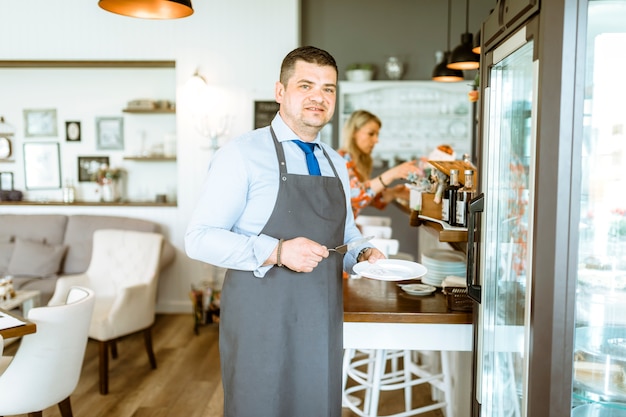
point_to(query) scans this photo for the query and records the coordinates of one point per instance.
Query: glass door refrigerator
(547, 233)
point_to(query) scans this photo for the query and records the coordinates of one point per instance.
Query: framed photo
(109, 133)
(42, 166)
(40, 123)
(72, 131)
(6, 181)
(264, 112)
(89, 165)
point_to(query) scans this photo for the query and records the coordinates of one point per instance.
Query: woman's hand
(397, 191)
(398, 172)
(403, 170)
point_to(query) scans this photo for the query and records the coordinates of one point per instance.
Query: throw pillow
(35, 258)
(6, 251)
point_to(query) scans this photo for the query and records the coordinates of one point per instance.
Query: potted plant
(359, 72)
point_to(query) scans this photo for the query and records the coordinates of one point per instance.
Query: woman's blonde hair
(363, 161)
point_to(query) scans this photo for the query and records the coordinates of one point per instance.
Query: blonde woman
(360, 135)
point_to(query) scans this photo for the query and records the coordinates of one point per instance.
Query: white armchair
(123, 273)
(46, 367)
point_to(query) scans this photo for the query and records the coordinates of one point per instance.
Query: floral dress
(361, 194)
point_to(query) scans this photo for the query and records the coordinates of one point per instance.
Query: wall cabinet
(416, 116)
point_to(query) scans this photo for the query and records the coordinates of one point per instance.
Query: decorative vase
(108, 190)
(394, 68)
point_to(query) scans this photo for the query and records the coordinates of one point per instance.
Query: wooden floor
(186, 383)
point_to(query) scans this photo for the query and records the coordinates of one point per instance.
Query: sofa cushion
(79, 236)
(6, 250)
(49, 228)
(35, 258)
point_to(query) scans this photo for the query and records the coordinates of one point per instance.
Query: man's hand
(371, 255)
(299, 254)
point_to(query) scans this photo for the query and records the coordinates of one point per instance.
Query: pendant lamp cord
(449, 23)
(466, 16)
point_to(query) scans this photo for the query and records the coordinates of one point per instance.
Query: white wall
(236, 45)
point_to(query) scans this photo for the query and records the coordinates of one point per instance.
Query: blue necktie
(311, 160)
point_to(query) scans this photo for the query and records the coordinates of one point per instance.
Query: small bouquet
(106, 174)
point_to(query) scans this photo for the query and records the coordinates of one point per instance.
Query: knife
(345, 248)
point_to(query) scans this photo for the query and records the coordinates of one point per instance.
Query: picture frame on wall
(6, 181)
(109, 133)
(88, 166)
(42, 165)
(40, 122)
(72, 131)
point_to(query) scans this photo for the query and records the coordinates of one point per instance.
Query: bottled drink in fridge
(463, 197)
(448, 201)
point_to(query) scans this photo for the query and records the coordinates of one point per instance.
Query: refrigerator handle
(476, 205)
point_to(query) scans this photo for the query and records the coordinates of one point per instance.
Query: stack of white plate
(442, 263)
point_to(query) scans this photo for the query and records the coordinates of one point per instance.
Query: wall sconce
(462, 57)
(149, 9)
(197, 80)
(212, 128)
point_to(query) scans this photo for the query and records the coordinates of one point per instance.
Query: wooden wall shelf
(89, 203)
(86, 64)
(150, 158)
(150, 111)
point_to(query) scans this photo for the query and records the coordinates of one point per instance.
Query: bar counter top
(374, 301)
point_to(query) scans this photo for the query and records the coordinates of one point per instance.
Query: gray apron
(281, 336)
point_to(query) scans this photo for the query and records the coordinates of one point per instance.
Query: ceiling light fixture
(476, 48)
(462, 57)
(149, 9)
(441, 72)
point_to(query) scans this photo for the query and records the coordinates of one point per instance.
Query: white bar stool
(368, 371)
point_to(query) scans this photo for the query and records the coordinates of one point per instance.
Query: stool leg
(371, 360)
(380, 359)
(347, 357)
(447, 382)
(408, 389)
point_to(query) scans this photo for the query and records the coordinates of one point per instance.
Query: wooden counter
(368, 300)
(379, 315)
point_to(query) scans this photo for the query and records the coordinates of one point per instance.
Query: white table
(23, 299)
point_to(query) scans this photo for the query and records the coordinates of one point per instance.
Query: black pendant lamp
(462, 57)
(476, 48)
(149, 9)
(441, 72)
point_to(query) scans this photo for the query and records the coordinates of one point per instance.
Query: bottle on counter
(68, 191)
(448, 201)
(463, 197)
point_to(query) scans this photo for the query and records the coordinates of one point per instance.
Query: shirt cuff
(263, 248)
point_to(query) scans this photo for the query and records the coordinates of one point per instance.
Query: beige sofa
(36, 249)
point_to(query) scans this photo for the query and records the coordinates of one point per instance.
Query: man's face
(307, 102)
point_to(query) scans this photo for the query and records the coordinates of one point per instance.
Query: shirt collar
(284, 132)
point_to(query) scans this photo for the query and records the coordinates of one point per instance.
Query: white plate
(418, 289)
(390, 270)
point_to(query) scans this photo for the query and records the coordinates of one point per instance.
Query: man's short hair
(309, 54)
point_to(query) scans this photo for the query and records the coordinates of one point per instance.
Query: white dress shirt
(238, 196)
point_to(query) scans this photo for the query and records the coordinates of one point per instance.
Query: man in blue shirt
(268, 221)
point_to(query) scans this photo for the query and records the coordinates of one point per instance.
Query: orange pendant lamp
(149, 9)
